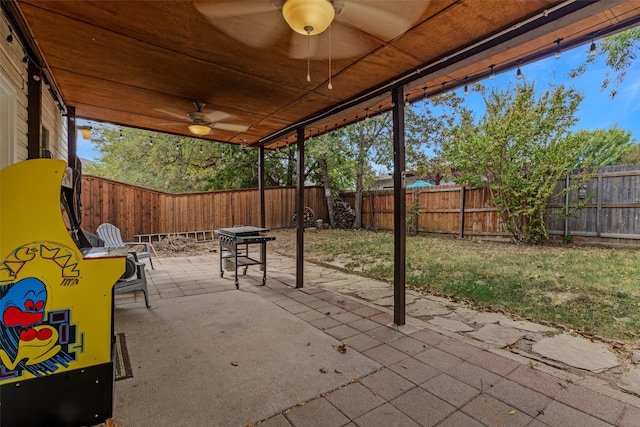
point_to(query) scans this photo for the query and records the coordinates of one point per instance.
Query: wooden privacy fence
(136, 210)
(611, 217)
(445, 209)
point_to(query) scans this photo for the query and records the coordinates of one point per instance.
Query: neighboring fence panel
(137, 210)
(611, 217)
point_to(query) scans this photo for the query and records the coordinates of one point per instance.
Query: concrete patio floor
(207, 354)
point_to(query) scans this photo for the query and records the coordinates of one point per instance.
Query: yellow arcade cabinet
(56, 306)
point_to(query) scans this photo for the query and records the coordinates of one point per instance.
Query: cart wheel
(244, 272)
(237, 285)
(264, 281)
(221, 274)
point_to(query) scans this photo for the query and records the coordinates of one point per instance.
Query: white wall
(13, 104)
(13, 98)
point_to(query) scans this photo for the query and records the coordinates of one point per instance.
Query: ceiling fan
(262, 23)
(202, 123)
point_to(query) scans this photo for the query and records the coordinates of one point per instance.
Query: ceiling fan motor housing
(308, 17)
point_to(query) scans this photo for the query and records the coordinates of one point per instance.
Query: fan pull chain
(330, 86)
(308, 57)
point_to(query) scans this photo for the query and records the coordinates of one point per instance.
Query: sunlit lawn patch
(592, 289)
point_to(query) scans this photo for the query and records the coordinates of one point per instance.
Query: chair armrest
(148, 246)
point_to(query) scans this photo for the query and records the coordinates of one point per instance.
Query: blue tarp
(420, 183)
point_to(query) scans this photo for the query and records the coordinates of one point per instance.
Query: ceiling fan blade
(385, 20)
(337, 42)
(228, 9)
(229, 126)
(216, 116)
(257, 24)
(173, 113)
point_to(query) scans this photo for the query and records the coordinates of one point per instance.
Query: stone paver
(355, 400)
(423, 407)
(385, 416)
(630, 381)
(529, 401)
(426, 307)
(450, 390)
(414, 370)
(497, 335)
(592, 402)
(451, 325)
(578, 352)
(526, 326)
(387, 384)
(318, 412)
(493, 412)
(558, 414)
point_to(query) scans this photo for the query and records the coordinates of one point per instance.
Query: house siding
(13, 72)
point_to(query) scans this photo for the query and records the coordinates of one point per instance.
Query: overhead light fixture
(519, 73)
(593, 49)
(85, 131)
(466, 86)
(199, 130)
(492, 74)
(558, 53)
(308, 17)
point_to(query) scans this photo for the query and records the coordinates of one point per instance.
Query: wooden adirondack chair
(112, 238)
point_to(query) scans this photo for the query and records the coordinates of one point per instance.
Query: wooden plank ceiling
(143, 63)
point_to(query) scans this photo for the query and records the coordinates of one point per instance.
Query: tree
(434, 168)
(177, 164)
(154, 160)
(335, 166)
(518, 150)
(619, 50)
(632, 156)
(603, 147)
(426, 125)
(370, 143)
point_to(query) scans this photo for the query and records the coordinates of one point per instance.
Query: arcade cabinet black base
(82, 397)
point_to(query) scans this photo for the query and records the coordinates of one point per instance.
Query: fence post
(599, 206)
(461, 231)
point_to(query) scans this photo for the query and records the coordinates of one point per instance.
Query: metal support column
(72, 137)
(399, 207)
(300, 211)
(263, 248)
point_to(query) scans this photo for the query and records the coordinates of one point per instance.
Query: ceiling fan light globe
(199, 130)
(308, 17)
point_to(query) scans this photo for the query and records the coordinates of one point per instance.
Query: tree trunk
(357, 223)
(324, 171)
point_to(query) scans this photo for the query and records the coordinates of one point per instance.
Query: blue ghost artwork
(23, 305)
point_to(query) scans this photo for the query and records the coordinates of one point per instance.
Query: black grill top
(244, 230)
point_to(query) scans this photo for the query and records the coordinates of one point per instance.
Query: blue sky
(597, 110)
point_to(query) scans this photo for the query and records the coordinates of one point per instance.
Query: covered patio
(207, 354)
(257, 76)
(302, 350)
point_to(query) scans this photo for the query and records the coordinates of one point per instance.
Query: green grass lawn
(592, 289)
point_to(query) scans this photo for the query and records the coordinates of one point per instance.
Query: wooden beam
(300, 211)
(34, 111)
(399, 205)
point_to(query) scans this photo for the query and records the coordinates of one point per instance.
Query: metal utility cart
(234, 247)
